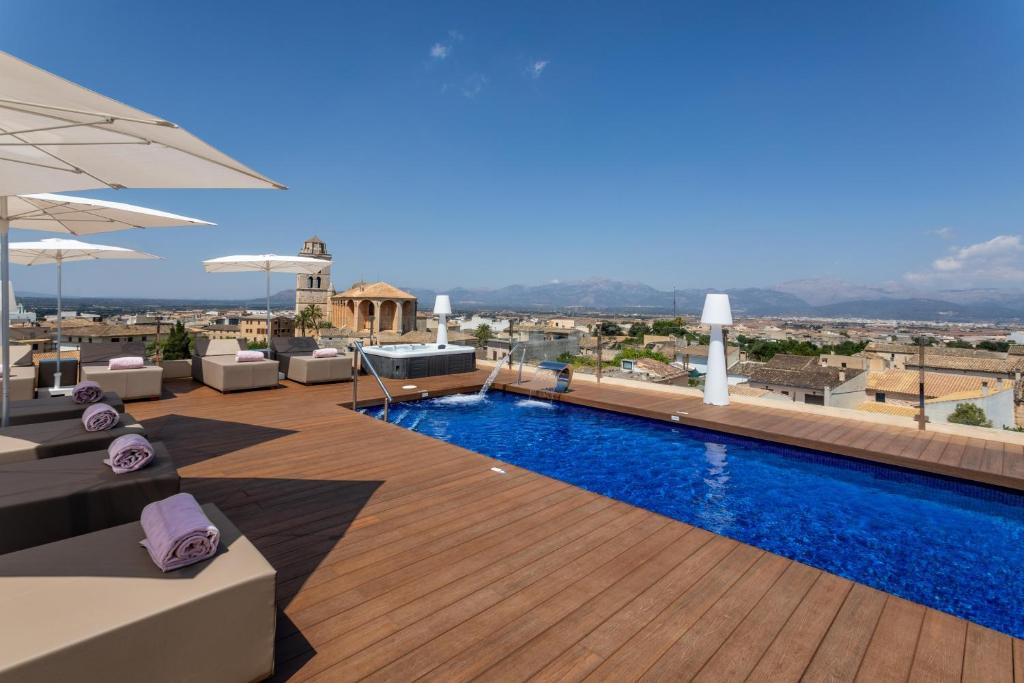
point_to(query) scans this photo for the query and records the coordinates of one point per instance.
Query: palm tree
(310, 316)
(483, 333)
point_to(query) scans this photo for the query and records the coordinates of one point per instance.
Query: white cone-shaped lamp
(717, 313)
(442, 309)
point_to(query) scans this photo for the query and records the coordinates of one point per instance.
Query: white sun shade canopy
(82, 216)
(56, 136)
(55, 249)
(265, 263)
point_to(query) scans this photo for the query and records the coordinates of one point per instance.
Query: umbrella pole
(60, 317)
(5, 313)
(268, 311)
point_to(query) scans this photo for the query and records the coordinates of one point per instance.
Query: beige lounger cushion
(23, 383)
(42, 501)
(214, 365)
(95, 608)
(309, 370)
(144, 382)
(61, 437)
(224, 373)
(48, 409)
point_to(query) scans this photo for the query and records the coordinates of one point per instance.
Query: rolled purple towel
(100, 417)
(249, 356)
(86, 392)
(128, 453)
(178, 532)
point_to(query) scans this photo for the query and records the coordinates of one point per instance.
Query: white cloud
(441, 50)
(537, 68)
(942, 233)
(1000, 259)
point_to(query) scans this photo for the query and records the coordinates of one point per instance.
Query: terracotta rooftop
(1009, 365)
(888, 408)
(935, 383)
(374, 290)
(810, 377)
(887, 347)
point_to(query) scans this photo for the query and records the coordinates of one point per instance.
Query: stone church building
(317, 288)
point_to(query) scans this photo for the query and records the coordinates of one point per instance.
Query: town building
(253, 328)
(803, 380)
(895, 392)
(374, 307)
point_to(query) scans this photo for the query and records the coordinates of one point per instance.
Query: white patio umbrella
(267, 263)
(56, 135)
(57, 251)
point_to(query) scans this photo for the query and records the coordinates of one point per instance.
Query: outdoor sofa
(214, 365)
(144, 382)
(95, 608)
(22, 374)
(60, 437)
(42, 501)
(50, 408)
(295, 355)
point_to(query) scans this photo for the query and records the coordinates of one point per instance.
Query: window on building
(309, 282)
(115, 339)
(879, 397)
(131, 339)
(318, 283)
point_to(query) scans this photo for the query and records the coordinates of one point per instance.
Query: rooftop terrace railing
(359, 353)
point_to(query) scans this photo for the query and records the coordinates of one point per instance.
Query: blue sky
(695, 144)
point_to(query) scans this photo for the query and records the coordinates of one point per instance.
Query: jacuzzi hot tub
(408, 361)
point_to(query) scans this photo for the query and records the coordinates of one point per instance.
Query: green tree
(988, 345)
(256, 345)
(638, 330)
(673, 326)
(309, 317)
(608, 329)
(969, 414)
(177, 345)
(483, 333)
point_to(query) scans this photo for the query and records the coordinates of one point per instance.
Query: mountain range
(807, 298)
(812, 297)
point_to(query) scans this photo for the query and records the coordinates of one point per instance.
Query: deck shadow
(295, 524)
(218, 437)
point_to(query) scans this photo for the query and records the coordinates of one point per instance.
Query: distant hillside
(611, 296)
(917, 309)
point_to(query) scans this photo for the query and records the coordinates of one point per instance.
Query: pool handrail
(358, 347)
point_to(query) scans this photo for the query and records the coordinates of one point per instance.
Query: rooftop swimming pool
(951, 545)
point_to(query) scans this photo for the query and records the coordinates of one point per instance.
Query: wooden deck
(400, 557)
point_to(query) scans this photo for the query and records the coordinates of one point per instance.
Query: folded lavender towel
(86, 392)
(126, 363)
(249, 356)
(325, 353)
(100, 417)
(178, 533)
(128, 453)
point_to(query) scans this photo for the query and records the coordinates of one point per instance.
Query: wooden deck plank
(400, 556)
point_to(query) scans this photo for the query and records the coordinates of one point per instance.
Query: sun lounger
(61, 437)
(214, 364)
(144, 382)
(95, 608)
(295, 354)
(42, 501)
(48, 409)
(22, 374)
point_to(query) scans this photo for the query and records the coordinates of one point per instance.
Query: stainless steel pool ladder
(358, 347)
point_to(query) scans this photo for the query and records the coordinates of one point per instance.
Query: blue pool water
(951, 545)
